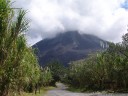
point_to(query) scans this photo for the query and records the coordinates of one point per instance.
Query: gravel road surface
(60, 91)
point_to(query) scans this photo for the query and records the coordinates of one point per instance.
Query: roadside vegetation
(107, 70)
(58, 72)
(42, 92)
(19, 68)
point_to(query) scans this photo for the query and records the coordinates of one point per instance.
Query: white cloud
(104, 18)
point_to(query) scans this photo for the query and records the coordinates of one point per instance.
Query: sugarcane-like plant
(18, 64)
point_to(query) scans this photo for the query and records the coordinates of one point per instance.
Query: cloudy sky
(107, 19)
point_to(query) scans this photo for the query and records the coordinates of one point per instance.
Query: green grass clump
(43, 91)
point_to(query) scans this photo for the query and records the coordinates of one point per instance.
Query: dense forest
(107, 70)
(20, 71)
(19, 68)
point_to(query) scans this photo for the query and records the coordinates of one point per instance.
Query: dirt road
(60, 91)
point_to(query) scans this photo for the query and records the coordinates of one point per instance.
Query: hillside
(68, 46)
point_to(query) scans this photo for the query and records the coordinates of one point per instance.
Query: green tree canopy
(18, 64)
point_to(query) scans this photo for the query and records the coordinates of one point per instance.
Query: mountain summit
(68, 46)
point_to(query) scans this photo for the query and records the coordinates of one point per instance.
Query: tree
(18, 64)
(105, 70)
(58, 71)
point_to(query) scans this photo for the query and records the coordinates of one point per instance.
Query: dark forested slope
(68, 46)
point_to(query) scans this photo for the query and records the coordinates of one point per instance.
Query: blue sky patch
(125, 5)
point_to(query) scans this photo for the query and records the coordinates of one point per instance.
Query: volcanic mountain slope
(68, 46)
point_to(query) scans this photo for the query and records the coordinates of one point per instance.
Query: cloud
(104, 18)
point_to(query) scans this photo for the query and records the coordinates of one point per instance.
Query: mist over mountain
(67, 47)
